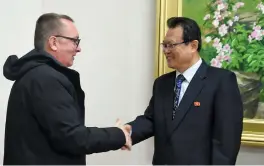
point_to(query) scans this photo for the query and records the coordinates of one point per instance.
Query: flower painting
(233, 38)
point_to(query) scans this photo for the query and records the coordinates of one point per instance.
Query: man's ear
(52, 43)
(194, 45)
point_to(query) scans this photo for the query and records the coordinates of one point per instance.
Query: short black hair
(191, 30)
(48, 24)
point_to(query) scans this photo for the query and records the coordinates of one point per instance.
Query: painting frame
(253, 129)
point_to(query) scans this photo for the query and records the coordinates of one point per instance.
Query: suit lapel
(168, 97)
(194, 88)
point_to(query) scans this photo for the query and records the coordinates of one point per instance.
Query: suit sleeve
(57, 114)
(228, 122)
(142, 126)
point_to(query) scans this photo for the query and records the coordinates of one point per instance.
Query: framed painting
(232, 38)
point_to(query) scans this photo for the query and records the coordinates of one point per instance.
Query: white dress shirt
(188, 75)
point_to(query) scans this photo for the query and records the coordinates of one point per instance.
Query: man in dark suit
(195, 113)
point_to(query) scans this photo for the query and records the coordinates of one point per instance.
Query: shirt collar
(189, 73)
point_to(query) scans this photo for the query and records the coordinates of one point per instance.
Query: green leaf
(241, 48)
(234, 42)
(253, 64)
(261, 19)
(245, 56)
(241, 37)
(255, 46)
(251, 51)
(260, 52)
(249, 59)
(244, 43)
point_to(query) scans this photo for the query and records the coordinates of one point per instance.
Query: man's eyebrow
(168, 41)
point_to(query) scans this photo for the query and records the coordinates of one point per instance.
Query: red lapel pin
(196, 104)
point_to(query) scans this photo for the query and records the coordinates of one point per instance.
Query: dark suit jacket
(205, 134)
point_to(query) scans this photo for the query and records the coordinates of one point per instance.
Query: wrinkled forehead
(174, 34)
(69, 28)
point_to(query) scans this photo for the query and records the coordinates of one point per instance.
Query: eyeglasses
(170, 45)
(75, 40)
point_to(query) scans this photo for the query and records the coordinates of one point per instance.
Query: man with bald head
(45, 114)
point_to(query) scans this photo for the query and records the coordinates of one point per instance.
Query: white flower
(220, 56)
(236, 18)
(227, 49)
(260, 7)
(224, 52)
(222, 30)
(216, 42)
(257, 27)
(208, 39)
(206, 17)
(238, 5)
(217, 15)
(230, 22)
(216, 63)
(219, 47)
(220, 6)
(257, 34)
(227, 58)
(215, 23)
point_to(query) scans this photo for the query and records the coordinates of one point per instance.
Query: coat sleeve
(228, 122)
(57, 115)
(142, 126)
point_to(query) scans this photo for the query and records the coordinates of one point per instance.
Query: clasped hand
(127, 130)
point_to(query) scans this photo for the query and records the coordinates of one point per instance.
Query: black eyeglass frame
(165, 46)
(75, 40)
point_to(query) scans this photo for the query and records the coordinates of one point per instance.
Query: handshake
(127, 130)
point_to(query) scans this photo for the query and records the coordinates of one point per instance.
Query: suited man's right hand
(126, 129)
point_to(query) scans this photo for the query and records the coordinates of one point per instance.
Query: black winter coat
(45, 115)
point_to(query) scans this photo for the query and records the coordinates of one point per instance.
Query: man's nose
(78, 49)
(166, 50)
